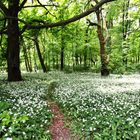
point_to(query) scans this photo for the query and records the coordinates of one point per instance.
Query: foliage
(80, 41)
(76, 40)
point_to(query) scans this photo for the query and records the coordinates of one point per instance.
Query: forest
(76, 59)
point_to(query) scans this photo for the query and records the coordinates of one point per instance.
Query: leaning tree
(9, 10)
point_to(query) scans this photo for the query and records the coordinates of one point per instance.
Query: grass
(97, 108)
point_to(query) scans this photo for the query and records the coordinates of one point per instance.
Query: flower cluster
(97, 107)
(102, 108)
(29, 115)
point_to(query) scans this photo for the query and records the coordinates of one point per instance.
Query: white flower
(139, 114)
(90, 129)
(9, 139)
(24, 133)
(3, 127)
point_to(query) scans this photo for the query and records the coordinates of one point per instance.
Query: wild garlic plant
(101, 108)
(29, 115)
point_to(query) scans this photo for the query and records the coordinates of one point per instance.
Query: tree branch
(31, 6)
(73, 19)
(3, 8)
(45, 8)
(42, 5)
(92, 24)
(22, 4)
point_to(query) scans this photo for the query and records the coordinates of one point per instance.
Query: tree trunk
(35, 63)
(40, 56)
(13, 50)
(80, 59)
(125, 30)
(62, 57)
(53, 60)
(25, 54)
(85, 48)
(62, 52)
(57, 62)
(72, 56)
(30, 59)
(49, 59)
(76, 58)
(102, 41)
(25, 59)
(27, 63)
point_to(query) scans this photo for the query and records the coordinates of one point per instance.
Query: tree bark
(76, 57)
(125, 29)
(40, 56)
(26, 59)
(27, 63)
(13, 49)
(102, 41)
(62, 50)
(85, 48)
(62, 57)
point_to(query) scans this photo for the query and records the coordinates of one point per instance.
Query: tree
(11, 15)
(102, 40)
(39, 54)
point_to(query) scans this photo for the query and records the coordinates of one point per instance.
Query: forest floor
(97, 107)
(76, 106)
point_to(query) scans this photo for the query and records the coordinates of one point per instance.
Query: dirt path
(58, 130)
